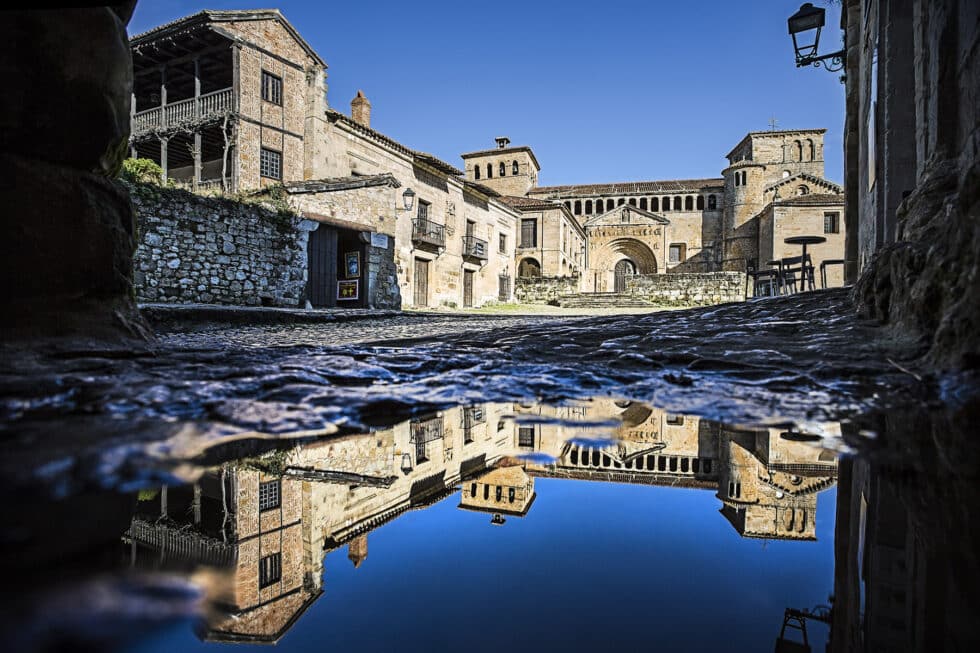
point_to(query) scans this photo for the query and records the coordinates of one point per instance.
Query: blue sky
(610, 91)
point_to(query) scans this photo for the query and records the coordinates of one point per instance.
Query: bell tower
(505, 169)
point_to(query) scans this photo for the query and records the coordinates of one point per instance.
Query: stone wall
(542, 290)
(193, 249)
(688, 289)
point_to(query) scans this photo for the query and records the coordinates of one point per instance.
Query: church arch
(643, 203)
(489, 171)
(503, 169)
(515, 168)
(588, 207)
(624, 268)
(700, 204)
(689, 203)
(578, 207)
(654, 204)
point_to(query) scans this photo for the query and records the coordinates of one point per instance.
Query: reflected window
(270, 494)
(511, 495)
(525, 436)
(270, 570)
(473, 489)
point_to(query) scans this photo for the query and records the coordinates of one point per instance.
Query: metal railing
(426, 231)
(195, 108)
(475, 247)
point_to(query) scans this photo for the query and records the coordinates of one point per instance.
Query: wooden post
(197, 503)
(163, 96)
(197, 87)
(163, 501)
(197, 158)
(163, 157)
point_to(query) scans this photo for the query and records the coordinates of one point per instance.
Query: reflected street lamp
(804, 27)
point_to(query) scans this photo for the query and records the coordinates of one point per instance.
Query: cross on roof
(773, 123)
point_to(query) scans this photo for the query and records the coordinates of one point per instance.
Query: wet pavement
(652, 472)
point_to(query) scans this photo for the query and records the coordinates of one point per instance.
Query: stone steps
(601, 300)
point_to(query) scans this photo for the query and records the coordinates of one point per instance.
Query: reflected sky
(596, 525)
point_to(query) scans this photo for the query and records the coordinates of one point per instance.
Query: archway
(529, 267)
(609, 254)
(623, 269)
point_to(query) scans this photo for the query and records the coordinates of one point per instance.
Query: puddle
(601, 511)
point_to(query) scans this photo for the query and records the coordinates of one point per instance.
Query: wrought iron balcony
(474, 247)
(209, 105)
(426, 233)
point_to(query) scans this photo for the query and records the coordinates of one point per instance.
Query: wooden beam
(163, 157)
(197, 159)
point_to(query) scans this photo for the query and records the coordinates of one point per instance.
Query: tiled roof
(529, 203)
(224, 16)
(341, 183)
(631, 187)
(480, 188)
(813, 199)
(423, 157)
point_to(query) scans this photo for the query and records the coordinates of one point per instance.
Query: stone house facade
(227, 99)
(550, 241)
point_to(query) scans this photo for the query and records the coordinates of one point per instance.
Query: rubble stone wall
(193, 249)
(686, 289)
(541, 290)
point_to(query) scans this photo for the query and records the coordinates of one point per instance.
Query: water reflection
(274, 518)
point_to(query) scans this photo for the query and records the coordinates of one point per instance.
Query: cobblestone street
(387, 330)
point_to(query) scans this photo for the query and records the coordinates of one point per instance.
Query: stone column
(66, 240)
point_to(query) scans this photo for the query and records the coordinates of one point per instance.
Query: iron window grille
(270, 164)
(831, 223)
(525, 436)
(271, 88)
(270, 570)
(270, 495)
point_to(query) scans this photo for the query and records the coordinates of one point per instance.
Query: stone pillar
(66, 240)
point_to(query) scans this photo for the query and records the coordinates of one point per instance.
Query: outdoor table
(804, 241)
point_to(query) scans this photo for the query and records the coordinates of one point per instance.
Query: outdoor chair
(765, 283)
(789, 268)
(823, 269)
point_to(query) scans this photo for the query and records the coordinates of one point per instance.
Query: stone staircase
(602, 300)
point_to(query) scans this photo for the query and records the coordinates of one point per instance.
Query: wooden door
(321, 261)
(467, 287)
(503, 288)
(623, 269)
(421, 282)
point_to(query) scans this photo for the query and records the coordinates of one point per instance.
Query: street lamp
(804, 27)
(408, 197)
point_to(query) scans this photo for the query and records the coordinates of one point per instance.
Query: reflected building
(272, 519)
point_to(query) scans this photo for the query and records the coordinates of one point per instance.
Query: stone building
(236, 100)
(550, 242)
(773, 188)
(227, 99)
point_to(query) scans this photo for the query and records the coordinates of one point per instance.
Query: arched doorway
(623, 268)
(529, 267)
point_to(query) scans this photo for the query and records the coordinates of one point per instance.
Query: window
(489, 171)
(643, 203)
(712, 203)
(270, 570)
(578, 207)
(270, 164)
(688, 203)
(525, 436)
(476, 171)
(677, 203)
(423, 210)
(421, 451)
(270, 495)
(588, 207)
(271, 88)
(529, 233)
(500, 425)
(700, 205)
(802, 190)
(511, 494)
(620, 202)
(675, 420)
(799, 150)
(472, 489)
(503, 169)
(632, 201)
(515, 169)
(502, 245)
(831, 223)
(655, 204)
(738, 179)
(677, 253)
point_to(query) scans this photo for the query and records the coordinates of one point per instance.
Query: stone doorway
(623, 269)
(421, 282)
(467, 288)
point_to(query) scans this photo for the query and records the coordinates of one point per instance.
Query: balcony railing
(475, 247)
(426, 232)
(208, 105)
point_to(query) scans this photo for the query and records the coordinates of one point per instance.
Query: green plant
(141, 170)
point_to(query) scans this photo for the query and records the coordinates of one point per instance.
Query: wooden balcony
(475, 248)
(204, 107)
(428, 235)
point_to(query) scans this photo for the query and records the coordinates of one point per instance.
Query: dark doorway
(321, 257)
(421, 282)
(350, 269)
(467, 288)
(503, 288)
(624, 268)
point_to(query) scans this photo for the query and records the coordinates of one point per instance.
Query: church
(773, 188)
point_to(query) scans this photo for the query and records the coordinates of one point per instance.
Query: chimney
(360, 110)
